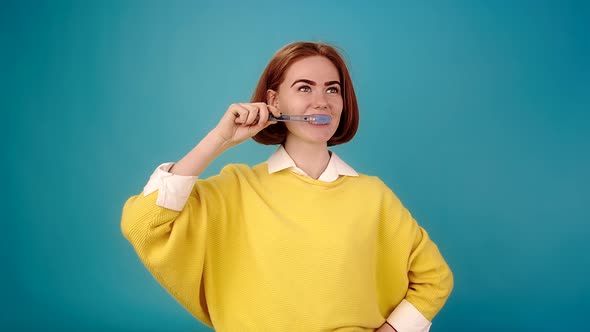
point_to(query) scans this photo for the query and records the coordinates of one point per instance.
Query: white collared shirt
(174, 190)
(281, 160)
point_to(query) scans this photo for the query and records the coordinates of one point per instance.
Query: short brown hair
(274, 74)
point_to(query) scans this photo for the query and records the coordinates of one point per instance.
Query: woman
(301, 242)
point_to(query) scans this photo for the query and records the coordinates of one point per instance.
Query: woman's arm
(240, 122)
(429, 278)
(430, 282)
(171, 245)
(167, 224)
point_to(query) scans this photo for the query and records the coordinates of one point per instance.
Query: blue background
(474, 112)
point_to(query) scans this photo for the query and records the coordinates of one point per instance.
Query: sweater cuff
(406, 318)
(173, 189)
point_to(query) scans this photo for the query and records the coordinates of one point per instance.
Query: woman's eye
(333, 90)
(304, 88)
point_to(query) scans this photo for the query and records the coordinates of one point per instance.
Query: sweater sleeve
(431, 279)
(172, 244)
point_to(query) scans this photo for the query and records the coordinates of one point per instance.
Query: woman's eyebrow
(310, 82)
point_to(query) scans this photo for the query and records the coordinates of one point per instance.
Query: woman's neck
(312, 158)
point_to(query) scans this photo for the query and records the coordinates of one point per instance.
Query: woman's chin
(319, 138)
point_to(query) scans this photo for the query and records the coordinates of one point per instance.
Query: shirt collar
(281, 160)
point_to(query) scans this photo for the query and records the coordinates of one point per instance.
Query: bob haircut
(274, 75)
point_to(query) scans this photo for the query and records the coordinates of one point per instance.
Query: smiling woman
(287, 62)
(288, 245)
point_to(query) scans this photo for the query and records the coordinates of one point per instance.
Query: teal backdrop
(474, 112)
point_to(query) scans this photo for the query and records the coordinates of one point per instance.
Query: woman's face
(311, 86)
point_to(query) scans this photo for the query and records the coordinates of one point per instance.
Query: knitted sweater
(253, 251)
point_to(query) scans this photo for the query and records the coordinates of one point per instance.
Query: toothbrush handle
(311, 118)
(289, 117)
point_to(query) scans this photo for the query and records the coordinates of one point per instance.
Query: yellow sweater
(253, 251)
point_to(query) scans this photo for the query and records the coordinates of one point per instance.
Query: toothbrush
(311, 118)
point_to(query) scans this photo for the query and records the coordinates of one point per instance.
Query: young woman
(301, 242)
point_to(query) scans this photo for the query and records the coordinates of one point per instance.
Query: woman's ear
(271, 98)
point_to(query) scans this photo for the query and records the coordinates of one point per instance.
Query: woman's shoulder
(371, 180)
(236, 171)
(230, 178)
(376, 185)
(235, 168)
(243, 172)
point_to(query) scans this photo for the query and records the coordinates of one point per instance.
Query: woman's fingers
(265, 112)
(274, 111)
(250, 114)
(244, 120)
(240, 113)
(247, 114)
(262, 117)
(253, 114)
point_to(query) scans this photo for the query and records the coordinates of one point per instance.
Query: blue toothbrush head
(319, 119)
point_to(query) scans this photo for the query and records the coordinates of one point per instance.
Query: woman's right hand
(244, 120)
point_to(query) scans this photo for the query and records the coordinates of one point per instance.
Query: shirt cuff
(406, 318)
(173, 189)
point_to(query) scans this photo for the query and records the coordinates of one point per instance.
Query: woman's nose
(319, 101)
